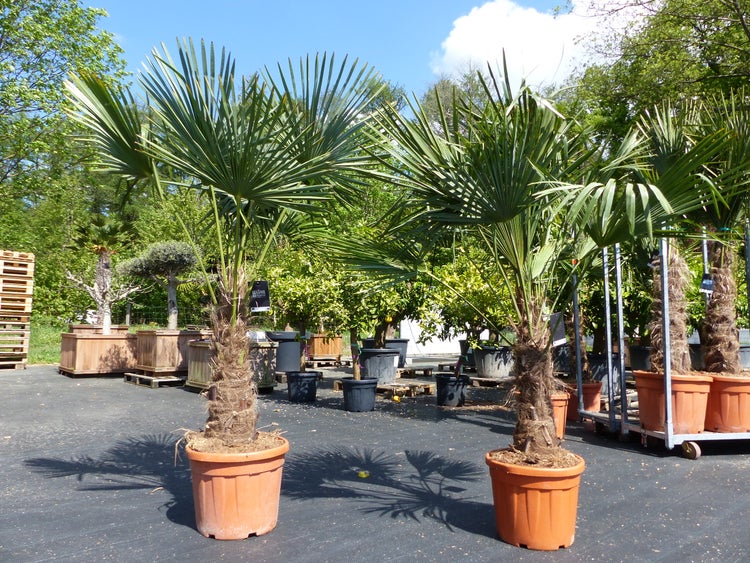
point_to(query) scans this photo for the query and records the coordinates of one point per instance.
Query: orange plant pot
(689, 401)
(535, 507)
(728, 407)
(592, 399)
(559, 413)
(237, 495)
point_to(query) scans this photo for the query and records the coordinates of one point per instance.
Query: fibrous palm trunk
(535, 383)
(678, 277)
(232, 408)
(720, 339)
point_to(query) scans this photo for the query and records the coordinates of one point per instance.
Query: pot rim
(221, 457)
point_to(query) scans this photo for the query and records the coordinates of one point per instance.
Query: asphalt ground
(88, 473)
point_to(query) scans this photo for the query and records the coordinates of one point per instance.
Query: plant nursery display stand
(620, 415)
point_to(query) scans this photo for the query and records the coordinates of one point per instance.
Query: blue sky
(410, 42)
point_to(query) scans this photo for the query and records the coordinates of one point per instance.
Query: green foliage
(683, 49)
(161, 260)
(45, 341)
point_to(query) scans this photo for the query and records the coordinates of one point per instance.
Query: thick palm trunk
(535, 383)
(721, 345)
(232, 394)
(678, 277)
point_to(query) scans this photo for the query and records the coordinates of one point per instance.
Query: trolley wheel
(691, 450)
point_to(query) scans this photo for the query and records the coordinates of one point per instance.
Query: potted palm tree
(101, 348)
(501, 168)
(265, 154)
(488, 173)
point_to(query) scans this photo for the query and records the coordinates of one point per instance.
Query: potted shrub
(262, 154)
(161, 351)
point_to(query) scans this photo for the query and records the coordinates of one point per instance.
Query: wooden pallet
(12, 363)
(317, 363)
(408, 373)
(406, 389)
(153, 381)
(488, 381)
(452, 368)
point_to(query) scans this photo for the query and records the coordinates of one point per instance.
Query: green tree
(164, 262)
(679, 50)
(44, 188)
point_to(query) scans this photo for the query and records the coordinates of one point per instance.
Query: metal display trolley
(616, 418)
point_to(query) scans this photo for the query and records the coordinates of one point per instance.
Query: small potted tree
(100, 348)
(164, 351)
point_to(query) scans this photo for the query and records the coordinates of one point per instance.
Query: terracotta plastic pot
(237, 495)
(559, 413)
(728, 407)
(689, 401)
(592, 399)
(535, 507)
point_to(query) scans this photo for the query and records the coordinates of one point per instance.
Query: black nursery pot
(359, 394)
(302, 386)
(451, 390)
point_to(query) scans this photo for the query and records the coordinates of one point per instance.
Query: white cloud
(539, 47)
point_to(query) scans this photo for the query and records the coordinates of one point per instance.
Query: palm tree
(488, 173)
(731, 173)
(522, 179)
(261, 150)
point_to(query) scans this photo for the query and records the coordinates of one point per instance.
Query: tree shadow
(146, 462)
(410, 485)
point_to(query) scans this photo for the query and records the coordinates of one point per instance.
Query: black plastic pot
(451, 390)
(598, 369)
(494, 362)
(302, 385)
(289, 352)
(468, 353)
(400, 344)
(379, 363)
(359, 394)
(640, 357)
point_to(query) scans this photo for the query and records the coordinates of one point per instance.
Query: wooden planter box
(199, 364)
(97, 329)
(262, 356)
(165, 352)
(324, 347)
(91, 354)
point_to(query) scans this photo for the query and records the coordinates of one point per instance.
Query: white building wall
(433, 347)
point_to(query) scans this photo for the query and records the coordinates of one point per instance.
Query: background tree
(44, 187)
(164, 262)
(672, 50)
(104, 236)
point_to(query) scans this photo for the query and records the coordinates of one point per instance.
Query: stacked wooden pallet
(16, 288)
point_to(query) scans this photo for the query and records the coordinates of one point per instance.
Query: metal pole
(608, 330)
(668, 428)
(577, 330)
(621, 334)
(704, 245)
